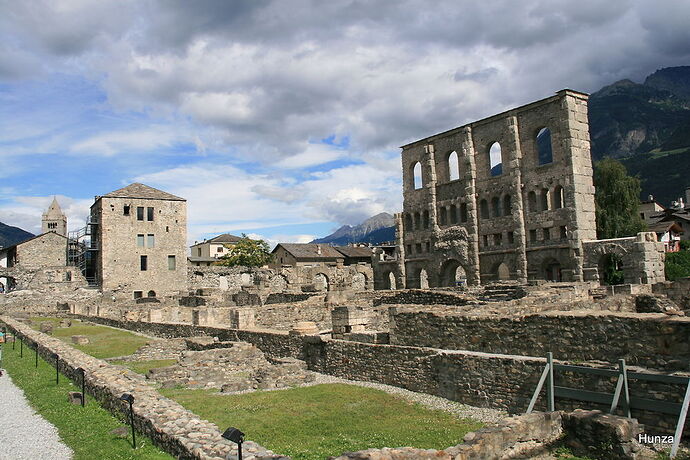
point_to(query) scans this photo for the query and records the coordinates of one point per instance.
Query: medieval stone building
(139, 237)
(509, 197)
(54, 220)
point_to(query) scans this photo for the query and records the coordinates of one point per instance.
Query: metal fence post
(549, 388)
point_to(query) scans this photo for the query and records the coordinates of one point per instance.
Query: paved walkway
(25, 435)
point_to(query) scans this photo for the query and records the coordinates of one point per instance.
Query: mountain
(377, 229)
(647, 127)
(12, 235)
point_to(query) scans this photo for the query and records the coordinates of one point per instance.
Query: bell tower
(54, 220)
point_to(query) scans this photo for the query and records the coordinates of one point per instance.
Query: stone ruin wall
(471, 377)
(652, 340)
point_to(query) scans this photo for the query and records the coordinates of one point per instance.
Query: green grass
(105, 342)
(85, 430)
(143, 367)
(323, 420)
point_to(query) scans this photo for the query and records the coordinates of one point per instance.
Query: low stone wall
(678, 291)
(169, 425)
(527, 436)
(651, 340)
(480, 379)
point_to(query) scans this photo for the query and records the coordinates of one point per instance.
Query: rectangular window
(418, 248)
(511, 238)
(140, 213)
(150, 241)
(485, 239)
(409, 249)
(220, 249)
(498, 239)
(564, 232)
(140, 241)
(149, 214)
(138, 294)
(198, 252)
(547, 234)
(533, 236)
(172, 263)
(428, 246)
(143, 261)
(125, 210)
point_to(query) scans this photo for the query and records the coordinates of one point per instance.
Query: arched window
(453, 166)
(545, 199)
(417, 221)
(495, 159)
(443, 215)
(495, 207)
(151, 294)
(463, 212)
(426, 218)
(417, 180)
(484, 209)
(507, 205)
(408, 221)
(453, 214)
(532, 201)
(544, 150)
(558, 197)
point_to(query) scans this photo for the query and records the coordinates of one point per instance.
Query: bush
(677, 265)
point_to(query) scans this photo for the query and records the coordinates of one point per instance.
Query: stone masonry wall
(170, 426)
(642, 339)
(678, 291)
(49, 249)
(475, 378)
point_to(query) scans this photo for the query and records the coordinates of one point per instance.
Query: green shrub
(677, 265)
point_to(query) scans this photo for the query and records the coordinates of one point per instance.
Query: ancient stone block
(80, 339)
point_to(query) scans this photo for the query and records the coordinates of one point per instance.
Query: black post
(83, 386)
(14, 338)
(57, 370)
(131, 421)
(236, 436)
(239, 450)
(21, 348)
(130, 399)
(36, 354)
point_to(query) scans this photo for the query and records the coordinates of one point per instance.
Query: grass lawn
(86, 430)
(104, 342)
(143, 367)
(323, 420)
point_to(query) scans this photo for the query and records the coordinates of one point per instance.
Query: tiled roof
(310, 251)
(354, 251)
(225, 238)
(137, 190)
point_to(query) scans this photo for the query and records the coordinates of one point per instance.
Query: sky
(283, 119)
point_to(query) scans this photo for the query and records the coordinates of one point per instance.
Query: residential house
(305, 255)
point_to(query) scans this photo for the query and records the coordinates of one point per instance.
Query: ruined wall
(475, 378)
(650, 340)
(642, 258)
(280, 280)
(170, 426)
(678, 291)
(515, 214)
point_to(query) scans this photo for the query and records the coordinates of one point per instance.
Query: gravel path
(25, 435)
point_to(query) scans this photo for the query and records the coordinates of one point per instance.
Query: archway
(453, 274)
(611, 269)
(502, 272)
(423, 279)
(551, 269)
(320, 282)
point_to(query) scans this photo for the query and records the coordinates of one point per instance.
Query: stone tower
(54, 220)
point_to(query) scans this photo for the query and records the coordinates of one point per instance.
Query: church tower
(54, 220)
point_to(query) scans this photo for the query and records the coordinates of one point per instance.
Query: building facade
(139, 238)
(54, 220)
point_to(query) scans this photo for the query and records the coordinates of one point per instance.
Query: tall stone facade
(506, 197)
(140, 235)
(54, 220)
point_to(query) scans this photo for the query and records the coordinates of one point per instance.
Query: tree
(247, 253)
(617, 200)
